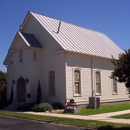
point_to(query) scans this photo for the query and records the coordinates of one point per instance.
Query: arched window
(77, 82)
(20, 55)
(51, 82)
(98, 82)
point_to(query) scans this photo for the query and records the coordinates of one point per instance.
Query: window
(128, 90)
(34, 55)
(114, 86)
(77, 84)
(20, 55)
(98, 82)
(52, 82)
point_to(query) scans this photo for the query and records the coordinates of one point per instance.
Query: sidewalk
(100, 117)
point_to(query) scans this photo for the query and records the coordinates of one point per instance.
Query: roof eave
(71, 52)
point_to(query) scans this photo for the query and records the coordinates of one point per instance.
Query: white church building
(69, 61)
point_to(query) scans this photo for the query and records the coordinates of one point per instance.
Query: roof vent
(59, 27)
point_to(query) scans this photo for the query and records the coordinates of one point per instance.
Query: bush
(42, 107)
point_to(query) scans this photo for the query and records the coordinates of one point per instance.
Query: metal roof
(78, 39)
(32, 41)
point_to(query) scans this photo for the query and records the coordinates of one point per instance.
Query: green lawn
(124, 116)
(99, 125)
(105, 109)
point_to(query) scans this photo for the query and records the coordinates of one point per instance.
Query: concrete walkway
(100, 117)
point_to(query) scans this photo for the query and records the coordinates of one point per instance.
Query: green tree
(39, 93)
(122, 68)
(3, 85)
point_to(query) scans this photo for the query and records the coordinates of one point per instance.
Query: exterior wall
(48, 61)
(84, 64)
(106, 67)
(17, 69)
(63, 65)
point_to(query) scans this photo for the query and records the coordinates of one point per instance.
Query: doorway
(21, 90)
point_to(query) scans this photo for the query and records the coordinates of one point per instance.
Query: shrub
(42, 107)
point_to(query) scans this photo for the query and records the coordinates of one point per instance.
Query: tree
(3, 86)
(122, 68)
(39, 93)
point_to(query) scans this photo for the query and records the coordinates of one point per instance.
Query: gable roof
(29, 40)
(78, 39)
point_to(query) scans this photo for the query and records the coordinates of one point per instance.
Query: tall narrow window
(52, 82)
(77, 87)
(114, 86)
(20, 55)
(98, 82)
(34, 55)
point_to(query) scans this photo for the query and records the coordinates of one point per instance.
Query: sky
(111, 17)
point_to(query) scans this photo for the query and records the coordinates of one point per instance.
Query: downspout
(65, 77)
(92, 78)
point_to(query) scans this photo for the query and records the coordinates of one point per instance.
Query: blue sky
(111, 17)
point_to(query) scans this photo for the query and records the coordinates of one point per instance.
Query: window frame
(76, 82)
(49, 83)
(114, 82)
(100, 90)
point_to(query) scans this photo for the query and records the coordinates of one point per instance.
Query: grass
(105, 109)
(123, 116)
(99, 125)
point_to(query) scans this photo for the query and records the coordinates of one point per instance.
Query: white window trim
(49, 83)
(97, 94)
(114, 93)
(73, 82)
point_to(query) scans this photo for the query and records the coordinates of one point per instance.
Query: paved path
(100, 117)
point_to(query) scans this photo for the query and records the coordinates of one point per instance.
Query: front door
(21, 90)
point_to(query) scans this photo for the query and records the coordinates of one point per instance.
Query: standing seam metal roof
(77, 39)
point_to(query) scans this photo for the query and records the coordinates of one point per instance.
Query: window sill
(114, 93)
(77, 95)
(98, 94)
